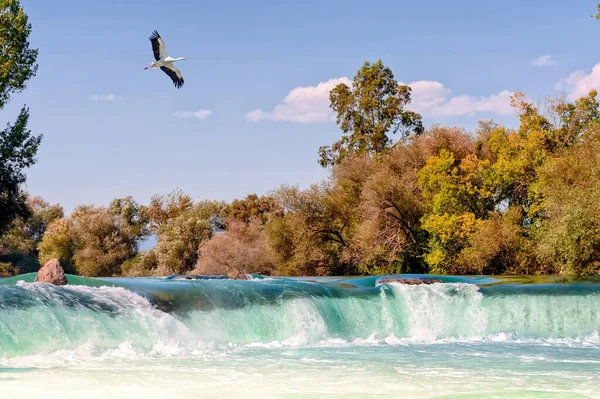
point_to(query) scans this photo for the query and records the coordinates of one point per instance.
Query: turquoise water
(300, 338)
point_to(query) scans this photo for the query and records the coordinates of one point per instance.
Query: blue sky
(111, 129)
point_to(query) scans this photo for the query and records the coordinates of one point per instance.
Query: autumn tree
(17, 146)
(58, 242)
(313, 232)
(19, 243)
(26, 234)
(568, 237)
(179, 239)
(96, 241)
(389, 237)
(368, 112)
(254, 207)
(162, 208)
(241, 249)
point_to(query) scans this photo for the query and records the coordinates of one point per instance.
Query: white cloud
(544, 60)
(302, 104)
(580, 83)
(430, 98)
(200, 114)
(105, 97)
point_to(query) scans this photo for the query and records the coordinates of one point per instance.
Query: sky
(254, 108)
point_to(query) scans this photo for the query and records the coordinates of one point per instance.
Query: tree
(253, 206)
(20, 242)
(17, 152)
(96, 241)
(573, 118)
(58, 243)
(239, 250)
(26, 234)
(130, 218)
(368, 112)
(179, 239)
(458, 198)
(568, 239)
(17, 60)
(390, 237)
(312, 234)
(162, 208)
(495, 246)
(104, 238)
(17, 146)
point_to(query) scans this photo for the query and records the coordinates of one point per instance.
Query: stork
(163, 61)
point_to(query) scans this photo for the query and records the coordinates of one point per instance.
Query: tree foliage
(17, 60)
(240, 250)
(19, 243)
(17, 152)
(162, 208)
(445, 201)
(368, 113)
(17, 146)
(568, 240)
(95, 241)
(312, 234)
(254, 207)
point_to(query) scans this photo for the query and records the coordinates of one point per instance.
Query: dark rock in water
(232, 276)
(194, 277)
(52, 272)
(186, 277)
(408, 281)
(240, 276)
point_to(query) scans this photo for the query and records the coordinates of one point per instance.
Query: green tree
(20, 242)
(17, 152)
(103, 239)
(95, 240)
(368, 112)
(312, 235)
(17, 60)
(162, 208)
(390, 237)
(568, 239)
(58, 243)
(179, 239)
(26, 234)
(458, 197)
(253, 206)
(17, 146)
(130, 218)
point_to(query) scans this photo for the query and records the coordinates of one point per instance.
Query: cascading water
(37, 317)
(313, 327)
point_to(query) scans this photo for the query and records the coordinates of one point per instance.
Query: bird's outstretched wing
(158, 46)
(174, 74)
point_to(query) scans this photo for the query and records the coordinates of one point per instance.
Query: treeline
(438, 200)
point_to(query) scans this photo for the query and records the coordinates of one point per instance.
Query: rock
(408, 281)
(186, 277)
(194, 277)
(240, 276)
(52, 273)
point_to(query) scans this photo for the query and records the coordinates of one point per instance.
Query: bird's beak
(146, 67)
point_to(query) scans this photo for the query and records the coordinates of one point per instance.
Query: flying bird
(163, 61)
